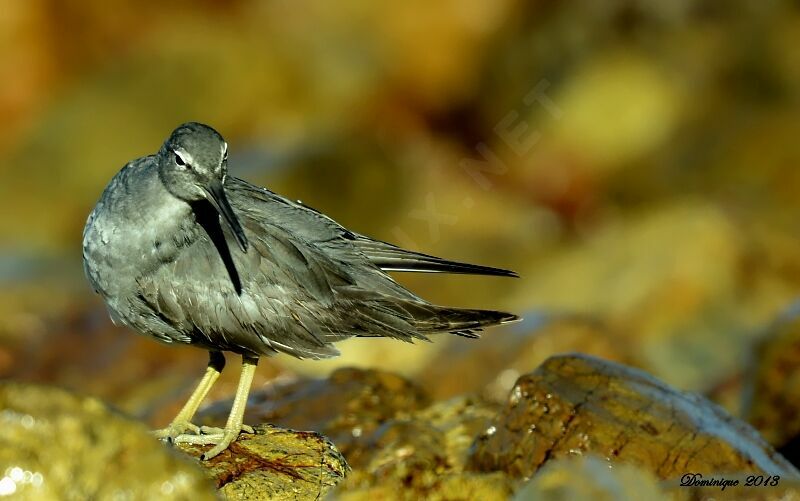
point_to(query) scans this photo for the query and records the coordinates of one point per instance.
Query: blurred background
(636, 161)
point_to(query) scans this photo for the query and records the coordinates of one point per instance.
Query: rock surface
(56, 445)
(424, 457)
(402, 446)
(397, 442)
(575, 404)
(275, 463)
(633, 429)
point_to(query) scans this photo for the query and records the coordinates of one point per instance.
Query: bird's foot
(221, 438)
(175, 429)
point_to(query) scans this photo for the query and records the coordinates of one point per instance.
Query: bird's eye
(179, 160)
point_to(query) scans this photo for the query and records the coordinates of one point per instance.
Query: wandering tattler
(184, 253)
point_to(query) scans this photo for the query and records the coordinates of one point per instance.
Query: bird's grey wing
(309, 229)
(314, 226)
(296, 218)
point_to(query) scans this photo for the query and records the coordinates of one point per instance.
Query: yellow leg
(223, 438)
(182, 422)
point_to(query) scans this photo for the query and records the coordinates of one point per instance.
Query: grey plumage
(288, 279)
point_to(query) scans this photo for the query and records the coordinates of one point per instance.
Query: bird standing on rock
(184, 253)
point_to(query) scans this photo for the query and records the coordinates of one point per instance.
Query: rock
(437, 438)
(774, 407)
(275, 463)
(577, 404)
(397, 443)
(57, 445)
(591, 478)
(467, 486)
(346, 407)
(424, 457)
(459, 420)
(102, 455)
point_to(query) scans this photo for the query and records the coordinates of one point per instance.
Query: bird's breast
(126, 238)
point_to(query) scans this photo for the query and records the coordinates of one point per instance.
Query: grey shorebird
(184, 253)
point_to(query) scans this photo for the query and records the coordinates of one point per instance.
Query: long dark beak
(216, 195)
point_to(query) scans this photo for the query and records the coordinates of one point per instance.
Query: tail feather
(410, 320)
(459, 321)
(471, 334)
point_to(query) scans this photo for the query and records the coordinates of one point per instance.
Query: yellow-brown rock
(275, 463)
(576, 404)
(423, 457)
(57, 445)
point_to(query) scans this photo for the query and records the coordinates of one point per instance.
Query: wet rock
(56, 445)
(774, 387)
(459, 420)
(409, 450)
(467, 486)
(491, 365)
(397, 443)
(275, 463)
(576, 404)
(435, 439)
(346, 407)
(591, 478)
(424, 457)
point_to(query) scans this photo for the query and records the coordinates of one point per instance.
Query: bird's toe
(201, 439)
(220, 438)
(228, 437)
(175, 429)
(213, 430)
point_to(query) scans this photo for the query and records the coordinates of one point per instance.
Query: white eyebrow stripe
(185, 156)
(224, 149)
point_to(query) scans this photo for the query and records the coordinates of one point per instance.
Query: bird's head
(193, 165)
